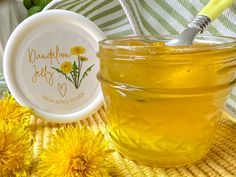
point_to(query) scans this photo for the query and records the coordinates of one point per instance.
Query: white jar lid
(50, 65)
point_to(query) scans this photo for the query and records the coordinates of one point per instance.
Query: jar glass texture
(163, 103)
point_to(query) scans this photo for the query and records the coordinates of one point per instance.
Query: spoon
(208, 14)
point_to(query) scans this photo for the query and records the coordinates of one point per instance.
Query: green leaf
(59, 71)
(68, 78)
(34, 10)
(43, 3)
(36, 2)
(27, 4)
(75, 70)
(85, 74)
(75, 67)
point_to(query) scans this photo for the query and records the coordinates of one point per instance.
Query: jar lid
(50, 65)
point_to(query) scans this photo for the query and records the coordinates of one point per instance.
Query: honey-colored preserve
(163, 103)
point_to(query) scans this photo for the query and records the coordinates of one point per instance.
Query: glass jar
(163, 103)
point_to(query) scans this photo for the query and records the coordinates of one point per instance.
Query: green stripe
(74, 5)
(233, 8)
(233, 97)
(111, 22)
(120, 34)
(227, 23)
(63, 5)
(173, 12)
(115, 27)
(57, 5)
(213, 30)
(54, 6)
(98, 7)
(85, 6)
(189, 6)
(158, 18)
(194, 12)
(135, 16)
(106, 13)
(147, 26)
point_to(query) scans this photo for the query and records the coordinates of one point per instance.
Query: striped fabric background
(107, 14)
(154, 17)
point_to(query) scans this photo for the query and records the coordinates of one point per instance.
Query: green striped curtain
(171, 16)
(154, 17)
(107, 14)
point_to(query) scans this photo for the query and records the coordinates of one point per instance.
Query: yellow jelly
(162, 102)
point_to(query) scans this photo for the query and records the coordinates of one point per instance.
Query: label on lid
(51, 65)
(57, 69)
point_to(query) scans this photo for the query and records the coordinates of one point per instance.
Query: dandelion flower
(83, 58)
(15, 152)
(77, 50)
(11, 111)
(75, 152)
(66, 67)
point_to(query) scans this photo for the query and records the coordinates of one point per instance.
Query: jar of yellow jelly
(163, 103)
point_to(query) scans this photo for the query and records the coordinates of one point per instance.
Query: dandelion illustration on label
(73, 71)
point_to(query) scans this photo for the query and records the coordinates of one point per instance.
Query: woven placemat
(220, 161)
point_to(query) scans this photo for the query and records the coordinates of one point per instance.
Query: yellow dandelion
(66, 67)
(83, 58)
(15, 150)
(11, 111)
(77, 50)
(75, 152)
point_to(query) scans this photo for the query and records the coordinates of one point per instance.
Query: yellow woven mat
(220, 161)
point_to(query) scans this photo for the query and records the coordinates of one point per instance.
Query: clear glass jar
(162, 102)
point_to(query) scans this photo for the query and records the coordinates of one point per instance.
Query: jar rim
(205, 43)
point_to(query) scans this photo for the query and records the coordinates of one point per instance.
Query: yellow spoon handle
(214, 8)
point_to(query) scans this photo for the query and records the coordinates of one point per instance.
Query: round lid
(50, 65)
